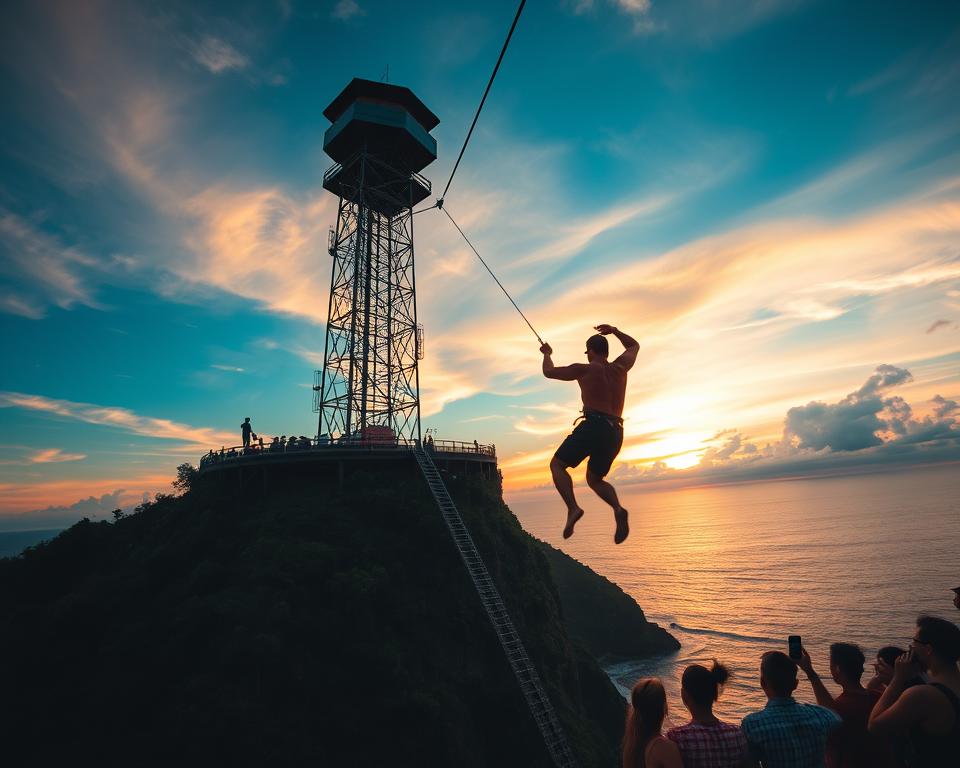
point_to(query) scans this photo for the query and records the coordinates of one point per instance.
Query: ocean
(12, 543)
(731, 571)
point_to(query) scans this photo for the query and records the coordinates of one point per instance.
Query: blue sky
(767, 194)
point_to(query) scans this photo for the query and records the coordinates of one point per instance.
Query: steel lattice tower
(379, 139)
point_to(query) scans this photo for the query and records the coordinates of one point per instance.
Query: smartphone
(793, 644)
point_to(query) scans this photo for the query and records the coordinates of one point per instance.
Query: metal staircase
(523, 668)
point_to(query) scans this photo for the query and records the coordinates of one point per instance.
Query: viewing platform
(325, 457)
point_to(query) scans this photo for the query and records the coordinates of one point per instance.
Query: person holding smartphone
(786, 733)
(850, 746)
(930, 713)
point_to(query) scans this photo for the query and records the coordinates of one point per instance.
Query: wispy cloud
(45, 270)
(937, 324)
(702, 20)
(578, 235)
(261, 244)
(54, 456)
(230, 368)
(488, 417)
(345, 10)
(193, 438)
(792, 272)
(218, 56)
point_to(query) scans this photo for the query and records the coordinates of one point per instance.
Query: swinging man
(599, 434)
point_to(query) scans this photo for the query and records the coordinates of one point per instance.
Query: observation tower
(379, 140)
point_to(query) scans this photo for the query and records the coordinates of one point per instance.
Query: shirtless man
(602, 387)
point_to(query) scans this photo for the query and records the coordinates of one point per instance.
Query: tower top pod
(388, 127)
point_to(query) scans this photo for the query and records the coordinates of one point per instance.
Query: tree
(118, 514)
(186, 477)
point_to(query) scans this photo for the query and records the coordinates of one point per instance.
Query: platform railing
(226, 455)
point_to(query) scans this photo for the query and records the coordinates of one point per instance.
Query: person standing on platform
(246, 429)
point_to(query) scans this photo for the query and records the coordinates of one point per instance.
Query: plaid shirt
(786, 734)
(720, 745)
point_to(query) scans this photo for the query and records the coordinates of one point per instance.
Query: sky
(765, 194)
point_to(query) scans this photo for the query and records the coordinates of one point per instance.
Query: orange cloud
(54, 455)
(193, 438)
(17, 499)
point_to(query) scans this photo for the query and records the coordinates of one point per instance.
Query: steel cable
(505, 292)
(479, 108)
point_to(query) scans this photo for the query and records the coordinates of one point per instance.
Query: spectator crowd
(907, 715)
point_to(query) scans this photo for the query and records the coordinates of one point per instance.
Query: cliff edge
(301, 624)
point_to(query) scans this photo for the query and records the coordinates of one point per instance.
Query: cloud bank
(867, 429)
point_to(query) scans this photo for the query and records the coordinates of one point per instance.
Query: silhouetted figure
(283, 442)
(476, 446)
(429, 442)
(275, 445)
(883, 668)
(260, 443)
(850, 746)
(246, 429)
(786, 733)
(929, 713)
(599, 435)
(707, 742)
(643, 744)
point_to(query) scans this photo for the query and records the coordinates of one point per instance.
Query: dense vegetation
(305, 625)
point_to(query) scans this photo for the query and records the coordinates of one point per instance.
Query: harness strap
(613, 421)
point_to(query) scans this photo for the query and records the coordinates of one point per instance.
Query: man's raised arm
(561, 372)
(631, 345)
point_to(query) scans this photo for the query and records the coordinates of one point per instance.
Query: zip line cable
(427, 208)
(477, 115)
(505, 293)
(439, 203)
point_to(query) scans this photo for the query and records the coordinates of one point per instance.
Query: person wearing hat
(956, 597)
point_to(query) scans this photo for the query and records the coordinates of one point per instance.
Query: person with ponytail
(706, 741)
(643, 744)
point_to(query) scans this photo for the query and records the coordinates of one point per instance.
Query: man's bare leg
(608, 493)
(564, 483)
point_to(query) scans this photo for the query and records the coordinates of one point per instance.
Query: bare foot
(572, 517)
(623, 529)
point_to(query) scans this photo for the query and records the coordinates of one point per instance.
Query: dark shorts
(596, 437)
